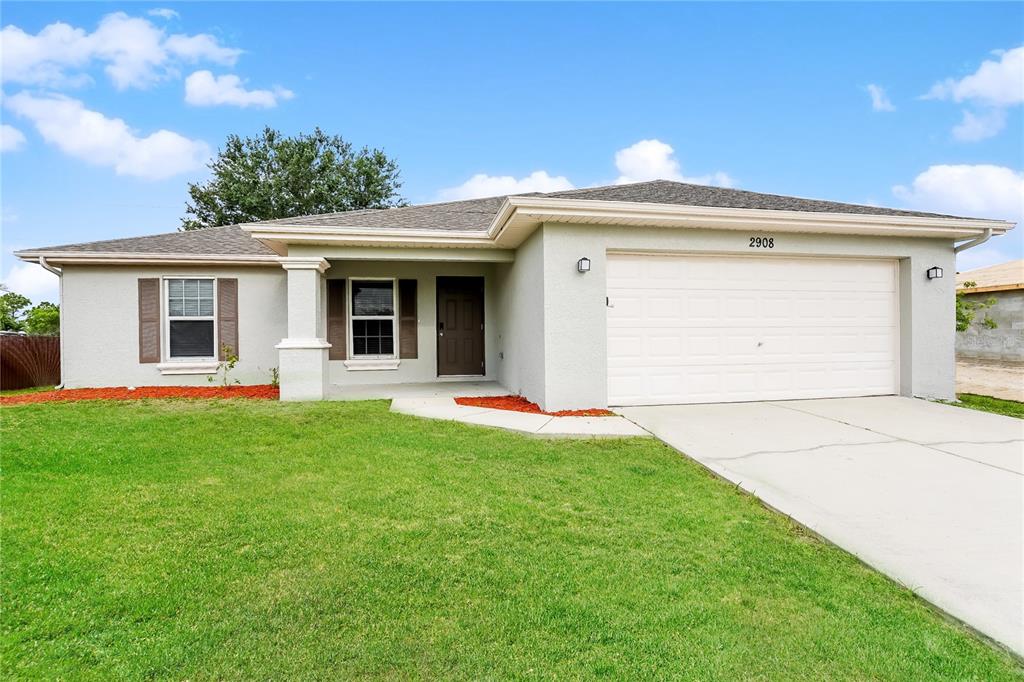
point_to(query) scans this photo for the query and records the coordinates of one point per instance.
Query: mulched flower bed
(517, 403)
(265, 392)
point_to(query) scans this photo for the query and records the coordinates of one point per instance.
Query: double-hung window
(373, 318)
(190, 319)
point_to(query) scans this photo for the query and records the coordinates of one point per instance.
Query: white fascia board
(410, 253)
(105, 258)
(350, 235)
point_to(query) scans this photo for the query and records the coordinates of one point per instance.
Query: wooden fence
(27, 361)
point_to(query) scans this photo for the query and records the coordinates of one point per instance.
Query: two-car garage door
(694, 329)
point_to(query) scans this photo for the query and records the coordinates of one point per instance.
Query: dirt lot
(990, 377)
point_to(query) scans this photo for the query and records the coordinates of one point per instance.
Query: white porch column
(303, 355)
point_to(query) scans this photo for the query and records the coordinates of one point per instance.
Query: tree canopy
(277, 176)
(17, 314)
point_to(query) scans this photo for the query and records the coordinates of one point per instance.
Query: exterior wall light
(583, 264)
(935, 272)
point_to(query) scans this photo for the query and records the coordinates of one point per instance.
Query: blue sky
(110, 109)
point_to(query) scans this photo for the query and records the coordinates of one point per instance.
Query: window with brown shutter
(337, 330)
(407, 320)
(191, 319)
(149, 320)
(227, 317)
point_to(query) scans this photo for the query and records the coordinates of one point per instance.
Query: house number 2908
(762, 242)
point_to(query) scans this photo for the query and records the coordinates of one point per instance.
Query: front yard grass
(1009, 408)
(23, 391)
(263, 540)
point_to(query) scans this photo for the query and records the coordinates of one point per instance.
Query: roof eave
(368, 236)
(116, 258)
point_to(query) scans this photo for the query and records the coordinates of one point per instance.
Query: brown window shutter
(407, 322)
(149, 320)
(337, 332)
(227, 316)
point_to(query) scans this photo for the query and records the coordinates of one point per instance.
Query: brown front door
(460, 326)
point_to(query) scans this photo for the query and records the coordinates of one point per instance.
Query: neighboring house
(1005, 284)
(649, 293)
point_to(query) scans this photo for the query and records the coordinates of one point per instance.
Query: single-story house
(1005, 284)
(648, 293)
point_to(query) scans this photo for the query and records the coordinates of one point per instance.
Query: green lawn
(22, 391)
(265, 540)
(1010, 408)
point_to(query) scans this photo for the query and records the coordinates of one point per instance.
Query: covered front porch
(384, 323)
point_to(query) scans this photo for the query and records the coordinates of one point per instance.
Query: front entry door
(460, 326)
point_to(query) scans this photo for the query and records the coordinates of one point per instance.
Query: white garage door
(695, 329)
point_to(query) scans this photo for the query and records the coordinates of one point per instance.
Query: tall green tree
(17, 314)
(12, 307)
(277, 176)
(43, 319)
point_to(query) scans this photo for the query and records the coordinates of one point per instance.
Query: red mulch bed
(265, 392)
(517, 403)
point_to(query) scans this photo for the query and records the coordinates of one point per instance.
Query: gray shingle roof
(476, 214)
(669, 192)
(214, 241)
(468, 215)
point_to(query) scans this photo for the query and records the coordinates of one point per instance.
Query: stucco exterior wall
(1005, 342)
(423, 368)
(574, 325)
(100, 324)
(545, 323)
(521, 314)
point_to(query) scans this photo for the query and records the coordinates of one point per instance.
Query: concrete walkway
(930, 494)
(524, 422)
(432, 389)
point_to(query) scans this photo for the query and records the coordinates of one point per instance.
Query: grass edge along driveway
(250, 539)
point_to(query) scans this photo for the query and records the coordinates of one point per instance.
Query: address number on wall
(762, 242)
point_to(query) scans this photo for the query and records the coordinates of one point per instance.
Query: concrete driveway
(930, 494)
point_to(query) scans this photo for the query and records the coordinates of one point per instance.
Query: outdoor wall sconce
(935, 272)
(583, 264)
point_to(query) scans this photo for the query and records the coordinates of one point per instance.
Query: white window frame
(165, 310)
(352, 317)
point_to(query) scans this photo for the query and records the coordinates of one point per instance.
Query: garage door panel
(713, 329)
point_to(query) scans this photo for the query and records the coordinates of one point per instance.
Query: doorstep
(523, 422)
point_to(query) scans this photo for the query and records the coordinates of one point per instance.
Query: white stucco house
(650, 293)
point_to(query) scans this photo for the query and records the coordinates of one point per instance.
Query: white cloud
(655, 160)
(203, 89)
(879, 99)
(483, 185)
(994, 87)
(32, 281)
(163, 13)
(11, 139)
(978, 191)
(201, 47)
(94, 138)
(974, 127)
(995, 83)
(135, 52)
(645, 160)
